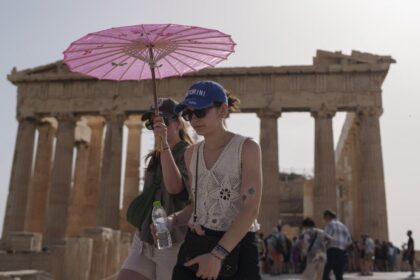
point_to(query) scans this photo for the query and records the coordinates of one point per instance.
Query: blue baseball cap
(201, 95)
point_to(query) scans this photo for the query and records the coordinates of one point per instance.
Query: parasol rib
(83, 64)
(128, 68)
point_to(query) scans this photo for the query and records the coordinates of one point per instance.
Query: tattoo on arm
(251, 191)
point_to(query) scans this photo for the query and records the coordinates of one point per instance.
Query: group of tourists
(368, 255)
(315, 252)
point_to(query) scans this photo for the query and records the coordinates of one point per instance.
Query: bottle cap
(156, 204)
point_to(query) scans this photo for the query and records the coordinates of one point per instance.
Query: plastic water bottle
(160, 220)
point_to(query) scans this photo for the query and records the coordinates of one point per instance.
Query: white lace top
(219, 188)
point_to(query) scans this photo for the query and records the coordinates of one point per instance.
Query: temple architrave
(63, 213)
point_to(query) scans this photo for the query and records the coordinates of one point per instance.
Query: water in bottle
(160, 220)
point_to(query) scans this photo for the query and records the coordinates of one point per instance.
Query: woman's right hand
(197, 228)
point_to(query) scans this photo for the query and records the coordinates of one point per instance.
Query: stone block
(25, 275)
(101, 237)
(22, 242)
(72, 259)
(114, 254)
(40, 261)
(125, 245)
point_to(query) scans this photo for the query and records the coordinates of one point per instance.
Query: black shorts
(248, 260)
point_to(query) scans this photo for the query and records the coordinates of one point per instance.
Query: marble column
(61, 179)
(270, 202)
(108, 214)
(325, 189)
(77, 198)
(91, 190)
(132, 165)
(40, 182)
(15, 215)
(372, 184)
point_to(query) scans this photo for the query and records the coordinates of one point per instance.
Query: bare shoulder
(250, 147)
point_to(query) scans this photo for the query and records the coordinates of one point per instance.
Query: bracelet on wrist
(216, 256)
(165, 148)
(220, 250)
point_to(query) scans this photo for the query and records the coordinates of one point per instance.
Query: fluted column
(61, 179)
(21, 173)
(109, 194)
(270, 202)
(372, 184)
(77, 197)
(325, 190)
(132, 165)
(93, 175)
(40, 182)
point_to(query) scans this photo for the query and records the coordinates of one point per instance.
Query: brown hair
(233, 103)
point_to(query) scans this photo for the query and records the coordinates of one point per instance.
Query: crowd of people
(307, 253)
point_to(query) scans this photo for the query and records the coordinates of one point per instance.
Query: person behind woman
(166, 167)
(411, 254)
(315, 249)
(228, 189)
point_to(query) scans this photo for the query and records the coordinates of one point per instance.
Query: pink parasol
(147, 51)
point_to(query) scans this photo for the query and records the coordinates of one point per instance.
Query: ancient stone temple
(64, 194)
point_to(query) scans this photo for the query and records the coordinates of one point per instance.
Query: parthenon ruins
(72, 207)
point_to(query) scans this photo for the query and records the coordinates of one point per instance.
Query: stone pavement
(353, 276)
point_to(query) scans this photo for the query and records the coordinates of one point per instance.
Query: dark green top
(170, 202)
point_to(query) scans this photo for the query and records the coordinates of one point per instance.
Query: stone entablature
(347, 83)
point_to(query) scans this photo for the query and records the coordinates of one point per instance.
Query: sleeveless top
(219, 188)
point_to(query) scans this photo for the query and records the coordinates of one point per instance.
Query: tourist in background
(411, 254)
(315, 249)
(369, 246)
(336, 252)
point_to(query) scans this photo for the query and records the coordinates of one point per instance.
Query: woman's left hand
(208, 266)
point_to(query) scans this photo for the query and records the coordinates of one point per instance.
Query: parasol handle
(152, 65)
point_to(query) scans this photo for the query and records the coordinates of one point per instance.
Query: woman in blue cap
(226, 183)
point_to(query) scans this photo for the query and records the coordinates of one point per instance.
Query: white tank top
(219, 188)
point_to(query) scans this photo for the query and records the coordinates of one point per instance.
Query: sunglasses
(149, 123)
(200, 113)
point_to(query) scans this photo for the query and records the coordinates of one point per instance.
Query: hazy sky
(274, 33)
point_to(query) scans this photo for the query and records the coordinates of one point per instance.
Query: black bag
(196, 245)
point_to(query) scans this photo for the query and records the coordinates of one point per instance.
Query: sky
(267, 33)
